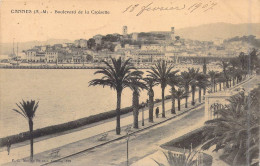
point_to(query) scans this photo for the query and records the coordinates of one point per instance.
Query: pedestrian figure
(157, 112)
(8, 146)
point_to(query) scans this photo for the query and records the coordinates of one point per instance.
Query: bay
(63, 95)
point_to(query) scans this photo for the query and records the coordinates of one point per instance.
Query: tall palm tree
(160, 72)
(193, 75)
(173, 81)
(220, 79)
(115, 76)
(224, 65)
(204, 66)
(202, 83)
(136, 85)
(234, 65)
(212, 75)
(179, 95)
(150, 83)
(27, 110)
(185, 82)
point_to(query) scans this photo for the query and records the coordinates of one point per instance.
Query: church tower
(172, 33)
(124, 33)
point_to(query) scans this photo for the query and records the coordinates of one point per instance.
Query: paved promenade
(48, 144)
(82, 142)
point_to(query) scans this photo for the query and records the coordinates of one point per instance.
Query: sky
(181, 13)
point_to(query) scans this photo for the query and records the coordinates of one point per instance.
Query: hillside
(6, 48)
(209, 32)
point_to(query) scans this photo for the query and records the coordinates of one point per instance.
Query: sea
(63, 95)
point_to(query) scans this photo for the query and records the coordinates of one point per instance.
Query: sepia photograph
(129, 82)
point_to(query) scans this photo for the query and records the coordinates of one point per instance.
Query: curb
(124, 136)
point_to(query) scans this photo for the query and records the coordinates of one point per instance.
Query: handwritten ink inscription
(139, 9)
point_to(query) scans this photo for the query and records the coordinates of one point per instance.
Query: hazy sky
(30, 26)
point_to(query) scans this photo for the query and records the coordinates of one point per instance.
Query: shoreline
(93, 66)
(59, 129)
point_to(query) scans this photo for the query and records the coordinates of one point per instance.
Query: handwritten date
(189, 8)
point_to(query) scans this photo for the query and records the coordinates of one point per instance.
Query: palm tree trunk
(179, 104)
(151, 105)
(135, 108)
(193, 89)
(227, 84)
(118, 105)
(173, 101)
(214, 85)
(204, 93)
(200, 94)
(220, 86)
(186, 99)
(163, 107)
(31, 138)
(233, 81)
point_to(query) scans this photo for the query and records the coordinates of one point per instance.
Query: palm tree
(224, 65)
(232, 132)
(220, 79)
(27, 110)
(173, 81)
(185, 82)
(179, 95)
(115, 76)
(160, 72)
(193, 76)
(150, 83)
(136, 85)
(184, 159)
(202, 83)
(234, 63)
(204, 66)
(212, 75)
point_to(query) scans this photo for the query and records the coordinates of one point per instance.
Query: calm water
(63, 95)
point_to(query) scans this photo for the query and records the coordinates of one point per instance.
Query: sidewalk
(43, 149)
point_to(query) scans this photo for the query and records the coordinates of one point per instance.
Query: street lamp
(143, 105)
(128, 132)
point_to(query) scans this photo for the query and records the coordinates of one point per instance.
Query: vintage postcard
(129, 82)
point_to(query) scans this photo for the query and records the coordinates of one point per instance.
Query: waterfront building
(153, 47)
(51, 56)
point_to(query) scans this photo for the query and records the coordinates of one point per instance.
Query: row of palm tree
(120, 75)
(234, 70)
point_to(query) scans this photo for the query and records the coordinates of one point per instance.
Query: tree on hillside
(91, 43)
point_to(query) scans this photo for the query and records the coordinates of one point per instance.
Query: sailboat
(15, 60)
